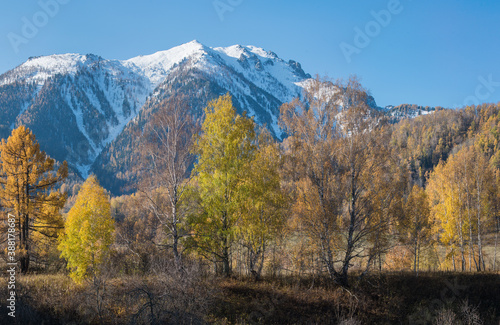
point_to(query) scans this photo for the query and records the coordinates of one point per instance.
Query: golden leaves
(89, 231)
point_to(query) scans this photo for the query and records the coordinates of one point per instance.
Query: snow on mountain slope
(157, 66)
(265, 69)
(92, 88)
(102, 96)
(238, 69)
(39, 69)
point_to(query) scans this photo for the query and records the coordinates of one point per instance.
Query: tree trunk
(481, 266)
(175, 233)
(24, 245)
(472, 255)
(462, 245)
(342, 278)
(25, 262)
(261, 266)
(175, 246)
(24, 231)
(226, 267)
(328, 259)
(479, 183)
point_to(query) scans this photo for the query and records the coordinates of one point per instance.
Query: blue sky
(435, 53)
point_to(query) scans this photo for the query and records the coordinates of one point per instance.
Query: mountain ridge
(90, 111)
(83, 102)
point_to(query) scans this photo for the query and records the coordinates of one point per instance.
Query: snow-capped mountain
(83, 108)
(75, 104)
(263, 68)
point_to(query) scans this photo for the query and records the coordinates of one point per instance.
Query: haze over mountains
(89, 110)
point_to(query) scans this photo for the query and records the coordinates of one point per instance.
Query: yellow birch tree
(89, 231)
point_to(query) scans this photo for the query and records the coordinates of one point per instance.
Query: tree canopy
(88, 231)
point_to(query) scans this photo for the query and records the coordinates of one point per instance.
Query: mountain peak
(193, 42)
(237, 50)
(40, 68)
(156, 66)
(88, 100)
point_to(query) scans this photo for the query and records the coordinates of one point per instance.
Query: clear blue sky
(430, 52)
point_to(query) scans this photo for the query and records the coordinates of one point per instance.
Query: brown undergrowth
(166, 298)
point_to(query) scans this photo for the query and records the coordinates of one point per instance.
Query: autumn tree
(136, 228)
(445, 201)
(365, 174)
(481, 195)
(415, 226)
(88, 231)
(262, 202)
(388, 186)
(461, 201)
(496, 219)
(340, 168)
(224, 149)
(27, 190)
(313, 168)
(167, 143)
